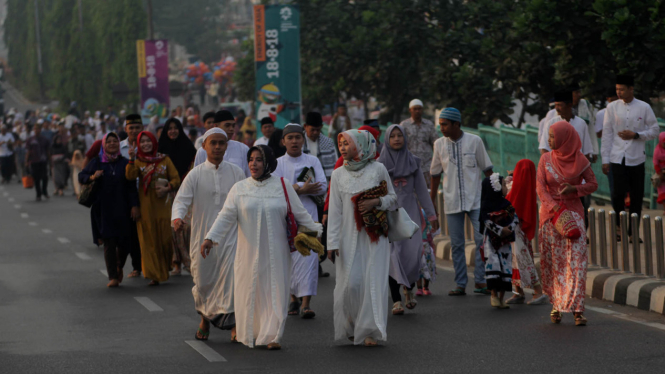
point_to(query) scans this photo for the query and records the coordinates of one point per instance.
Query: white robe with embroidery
(263, 260)
(305, 269)
(361, 289)
(205, 190)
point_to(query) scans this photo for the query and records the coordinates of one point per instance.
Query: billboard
(153, 65)
(277, 63)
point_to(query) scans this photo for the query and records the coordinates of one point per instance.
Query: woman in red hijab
(157, 176)
(522, 196)
(563, 260)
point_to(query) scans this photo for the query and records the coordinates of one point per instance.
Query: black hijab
(275, 143)
(181, 151)
(491, 201)
(269, 160)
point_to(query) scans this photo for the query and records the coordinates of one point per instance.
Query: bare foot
(234, 335)
(370, 342)
(134, 274)
(113, 283)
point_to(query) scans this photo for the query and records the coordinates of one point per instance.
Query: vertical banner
(153, 68)
(277, 63)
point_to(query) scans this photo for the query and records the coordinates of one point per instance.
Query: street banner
(277, 63)
(153, 65)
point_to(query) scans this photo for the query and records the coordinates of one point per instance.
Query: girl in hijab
(659, 167)
(408, 181)
(563, 261)
(497, 225)
(522, 196)
(176, 145)
(116, 207)
(361, 191)
(257, 208)
(275, 144)
(60, 160)
(157, 177)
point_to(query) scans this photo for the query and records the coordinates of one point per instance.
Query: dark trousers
(7, 167)
(324, 237)
(628, 179)
(115, 255)
(39, 172)
(586, 203)
(395, 288)
(135, 248)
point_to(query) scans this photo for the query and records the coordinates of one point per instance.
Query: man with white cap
(236, 152)
(462, 159)
(204, 191)
(422, 135)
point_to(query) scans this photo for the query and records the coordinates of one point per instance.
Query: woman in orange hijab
(563, 260)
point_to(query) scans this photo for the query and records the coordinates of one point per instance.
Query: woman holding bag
(257, 207)
(409, 182)
(563, 245)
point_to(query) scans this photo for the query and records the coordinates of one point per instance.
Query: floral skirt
(525, 274)
(563, 264)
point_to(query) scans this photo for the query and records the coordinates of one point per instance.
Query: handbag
(90, 191)
(400, 225)
(28, 181)
(291, 224)
(565, 223)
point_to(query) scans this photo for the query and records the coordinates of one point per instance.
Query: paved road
(57, 316)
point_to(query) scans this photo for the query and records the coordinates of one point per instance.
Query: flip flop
(204, 335)
(294, 308)
(483, 291)
(457, 292)
(308, 313)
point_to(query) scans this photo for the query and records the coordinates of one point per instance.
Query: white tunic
(204, 190)
(636, 116)
(579, 125)
(263, 261)
(305, 269)
(361, 289)
(236, 153)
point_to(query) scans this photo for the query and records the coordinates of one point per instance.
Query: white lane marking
(210, 354)
(83, 256)
(148, 304)
(63, 240)
(103, 271)
(11, 199)
(32, 223)
(47, 231)
(24, 215)
(17, 206)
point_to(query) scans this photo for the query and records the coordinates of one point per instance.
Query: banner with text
(153, 64)
(277, 63)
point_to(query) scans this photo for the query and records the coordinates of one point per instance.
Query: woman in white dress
(263, 260)
(360, 193)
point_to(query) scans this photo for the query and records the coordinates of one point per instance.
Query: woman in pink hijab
(659, 167)
(559, 186)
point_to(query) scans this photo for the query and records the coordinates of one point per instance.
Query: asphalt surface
(57, 316)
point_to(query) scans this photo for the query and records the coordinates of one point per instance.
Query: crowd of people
(245, 219)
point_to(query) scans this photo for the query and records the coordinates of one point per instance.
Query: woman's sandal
(427, 292)
(234, 338)
(457, 292)
(274, 347)
(555, 316)
(580, 320)
(201, 335)
(307, 313)
(134, 274)
(294, 308)
(398, 310)
(411, 301)
(370, 342)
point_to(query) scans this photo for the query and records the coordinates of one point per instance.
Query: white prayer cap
(415, 102)
(214, 130)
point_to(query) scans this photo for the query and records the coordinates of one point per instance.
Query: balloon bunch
(224, 69)
(198, 72)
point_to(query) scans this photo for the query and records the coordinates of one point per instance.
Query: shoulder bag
(90, 191)
(400, 225)
(291, 224)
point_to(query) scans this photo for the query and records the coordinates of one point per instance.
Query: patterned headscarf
(104, 155)
(152, 159)
(269, 160)
(365, 148)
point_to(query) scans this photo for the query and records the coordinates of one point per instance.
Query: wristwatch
(637, 136)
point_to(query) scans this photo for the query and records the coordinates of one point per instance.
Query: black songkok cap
(314, 119)
(132, 119)
(223, 115)
(266, 120)
(626, 80)
(372, 123)
(563, 96)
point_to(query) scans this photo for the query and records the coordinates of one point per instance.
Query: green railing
(507, 145)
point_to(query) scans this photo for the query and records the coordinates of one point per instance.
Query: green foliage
(245, 73)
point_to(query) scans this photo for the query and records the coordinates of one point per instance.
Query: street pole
(39, 52)
(151, 32)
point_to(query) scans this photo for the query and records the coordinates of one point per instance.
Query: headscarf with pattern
(365, 148)
(151, 159)
(104, 155)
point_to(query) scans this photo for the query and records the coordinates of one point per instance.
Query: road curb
(642, 292)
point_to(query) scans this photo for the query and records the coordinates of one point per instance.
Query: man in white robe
(304, 269)
(204, 191)
(236, 152)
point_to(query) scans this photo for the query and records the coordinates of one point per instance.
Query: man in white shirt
(304, 269)
(551, 113)
(208, 123)
(628, 124)
(462, 159)
(267, 129)
(584, 110)
(600, 118)
(236, 152)
(6, 154)
(563, 105)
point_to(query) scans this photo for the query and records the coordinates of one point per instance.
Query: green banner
(277, 59)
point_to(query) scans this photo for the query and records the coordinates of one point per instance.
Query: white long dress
(205, 190)
(263, 260)
(361, 290)
(304, 269)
